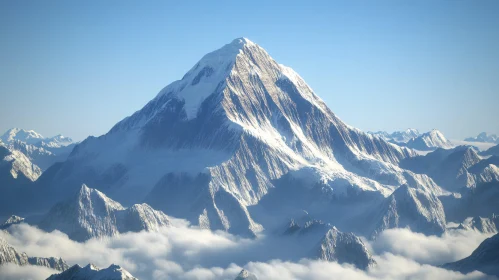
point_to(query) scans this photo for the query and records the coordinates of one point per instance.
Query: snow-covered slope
(92, 214)
(16, 168)
(91, 272)
(41, 151)
(429, 141)
(27, 136)
(217, 141)
(246, 275)
(417, 209)
(485, 258)
(455, 169)
(484, 137)
(398, 136)
(484, 225)
(12, 220)
(8, 254)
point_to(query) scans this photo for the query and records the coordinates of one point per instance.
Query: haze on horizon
(77, 69)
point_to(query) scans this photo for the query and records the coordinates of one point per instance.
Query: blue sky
(78, 67)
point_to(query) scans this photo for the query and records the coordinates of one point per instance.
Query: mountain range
(484, 137)
(240, 144)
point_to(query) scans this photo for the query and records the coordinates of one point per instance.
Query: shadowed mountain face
(485, 258)
(215, 143)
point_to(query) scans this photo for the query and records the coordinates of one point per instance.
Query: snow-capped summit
(27, 136)
(41, 151)
(91, 272)
(92, 214)
(226, 136)
(12, 220)
(430, 141)
(57, 141)
(484, 137)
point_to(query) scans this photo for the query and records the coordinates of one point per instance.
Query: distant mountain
(246, 275)
(398, 136)
(211, 146)
(8, 254)
(485, 258)
(429, 141)
(493, 151)
(41, 151)
(92, 214)
(26, 136)
(456, 168)
(91, 272)
(484, 137)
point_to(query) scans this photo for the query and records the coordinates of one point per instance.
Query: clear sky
(78, 67)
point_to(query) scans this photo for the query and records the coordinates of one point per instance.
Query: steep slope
(327, 242)
(485, 258)
(92, 214)
(91, 272)
(492, 151)
(8, 254)
(211, 145)
(42, 151)
(16, 168)
(344, 248)
(455, 169)
(429, 141)
(419, 210)
(484, 225)
(484, 137)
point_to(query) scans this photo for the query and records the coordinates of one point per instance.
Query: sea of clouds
(186, 252)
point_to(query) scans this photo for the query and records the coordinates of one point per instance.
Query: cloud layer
(184, 252)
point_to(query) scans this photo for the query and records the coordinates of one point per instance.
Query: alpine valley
(242, 147)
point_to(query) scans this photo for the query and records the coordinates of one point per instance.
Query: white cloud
(184, 252)
(451, 246)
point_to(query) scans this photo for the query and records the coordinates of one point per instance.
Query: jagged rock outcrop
(92, 214)
(12, 220)
(8, 254)
(91, 272)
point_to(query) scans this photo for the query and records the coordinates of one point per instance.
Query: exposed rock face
(455, 169)
(485, 258)
(417, 209)
(91, 272)
(8, 254)
(92, 214)
(345, 248)
(240, 122)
